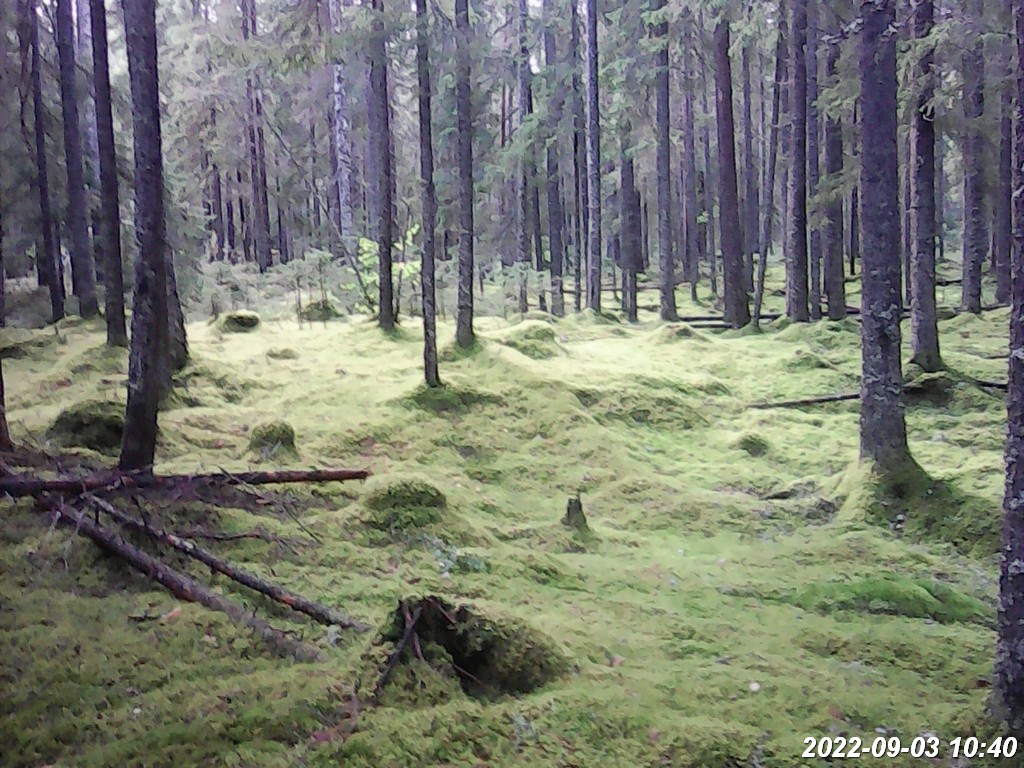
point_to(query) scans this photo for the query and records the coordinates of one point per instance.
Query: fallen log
(21, 485)
(180, 585)
(314, 610)
(807, 401)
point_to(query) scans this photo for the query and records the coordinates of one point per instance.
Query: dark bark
(581, 205)
(109, 235)
(5, 432)
(429, 197)
(924, 331)
(666, 266)
(751, 197)
(525, 218)
(737, 308)
(1008, 686)
(854, 227)
(832, 232)
(593, 163)
(975, 223)
(47, 258)
(148, 359)
(556, 215)
(83, 267)
(796, 207)
(883, 435)
(260, 206)
(464, 137)
(380, 132)
(1004, 192)
(629, 235)
(813, 169)
(689, 166)
(709, 181)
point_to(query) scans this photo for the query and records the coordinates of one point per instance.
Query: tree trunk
(1008, 689)
(854, 227)
(832, 234)
(109, 235)
(554, 191)
(883, 435)
(1004, 192)
(85, 58)
(796, 208)
(629, 239)
(975, 224)
(83, 268)
(260, 211)
(5, 432)
(341, 146)
(47, 258)
(813, 170)
(464, 121)
(380, 132)
(666, 266)
(751, 198)
(429, 198)
(581, 205)
(924, 331)
(593, 162)
(524, 220)
(709, 184)
(150, 337)
(737, 310)
(689, 163)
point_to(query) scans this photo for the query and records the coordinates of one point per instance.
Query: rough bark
(1004, 191)
(464, 336)
(428, 197)
(975, 224)
(341, 146)
(524, 178)
(629, 237)
(556, 214)
(593, 163)
(751, 198)
(813, 169)
(380, 133)
(581, 207)
(1008, 689)
(883, 435)
(84, 60)
(737, 308)
(83, 267)
(832, 232)
(924, 331)
(666, 266)
(689, 165)
(260, 207)
(109, 235)
(148, 359)
(796, 207)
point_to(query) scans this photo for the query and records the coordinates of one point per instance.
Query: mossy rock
(752, 444)
(492, 654)
(319, 311)
(239, 321)
(450, 398)
(93, 424)
(532, 338)
(282, 353)
(273, 437)
(403, 504)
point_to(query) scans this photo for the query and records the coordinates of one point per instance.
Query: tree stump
(574, 517)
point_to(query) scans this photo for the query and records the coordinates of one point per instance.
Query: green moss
(320, 311)
(398, 504)
(753, 444)
(450, 398)
(282, 353)
(273, 438)
(239, 321)
(533, 338)
(93, 424)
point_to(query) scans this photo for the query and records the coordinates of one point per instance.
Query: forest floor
(744, 584)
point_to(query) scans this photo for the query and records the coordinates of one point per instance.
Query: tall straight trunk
(975, 224)
(524, 218)
(883, 433)
(832, 233)
(428, 196)
(905, 224)
(769, 185)
(84, 57)
(737, 309)
(1004, 191)
(629, 236)
(5, 433)
(581, 205)
(47, 258)
(530, 189)
(380, 132)
(83, 268)
(260, 218)
(149, 347)
(786, 140)
(813, 170)
(796, 208)
(1008, 690)
(940, 197)
(924, 331)
(751, 201)
(709, 192)
(556, 215)
(689, 163)
(109, 235)
(666, 267)
(341, 144)
(854, 227)
(464, 137)
(593, 162)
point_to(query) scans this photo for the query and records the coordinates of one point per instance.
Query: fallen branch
(1001, 385)
(314, 610)
(182, 586)
(257, 533)
(20, 485)
(410, 629)
(807, 401)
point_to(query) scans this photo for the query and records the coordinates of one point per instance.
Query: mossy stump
(574, 517)
(93, 424)
(239, 321)
(404, 504)
(273, 437)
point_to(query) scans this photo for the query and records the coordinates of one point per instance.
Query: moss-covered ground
(743, 584)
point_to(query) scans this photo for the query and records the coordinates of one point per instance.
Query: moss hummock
(93, 424)
(404, 504)
(239, 321)
(273, 438)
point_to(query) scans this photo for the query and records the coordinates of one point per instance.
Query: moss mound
(672, 332)
(533, 338)
(752, 444)
(639, 406)
(490, 654)
(282, 353)
(239, 321)
(404, 504)
(450, 398)
(93, 424)
(273, 438)
(319, 311)
(806, 360)
(20, 345)
(898, 596)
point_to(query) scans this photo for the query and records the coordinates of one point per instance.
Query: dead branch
(296, 602)
(21, 485)
(389, 668)
(180, 585)
(807, 401)
(257, 533)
